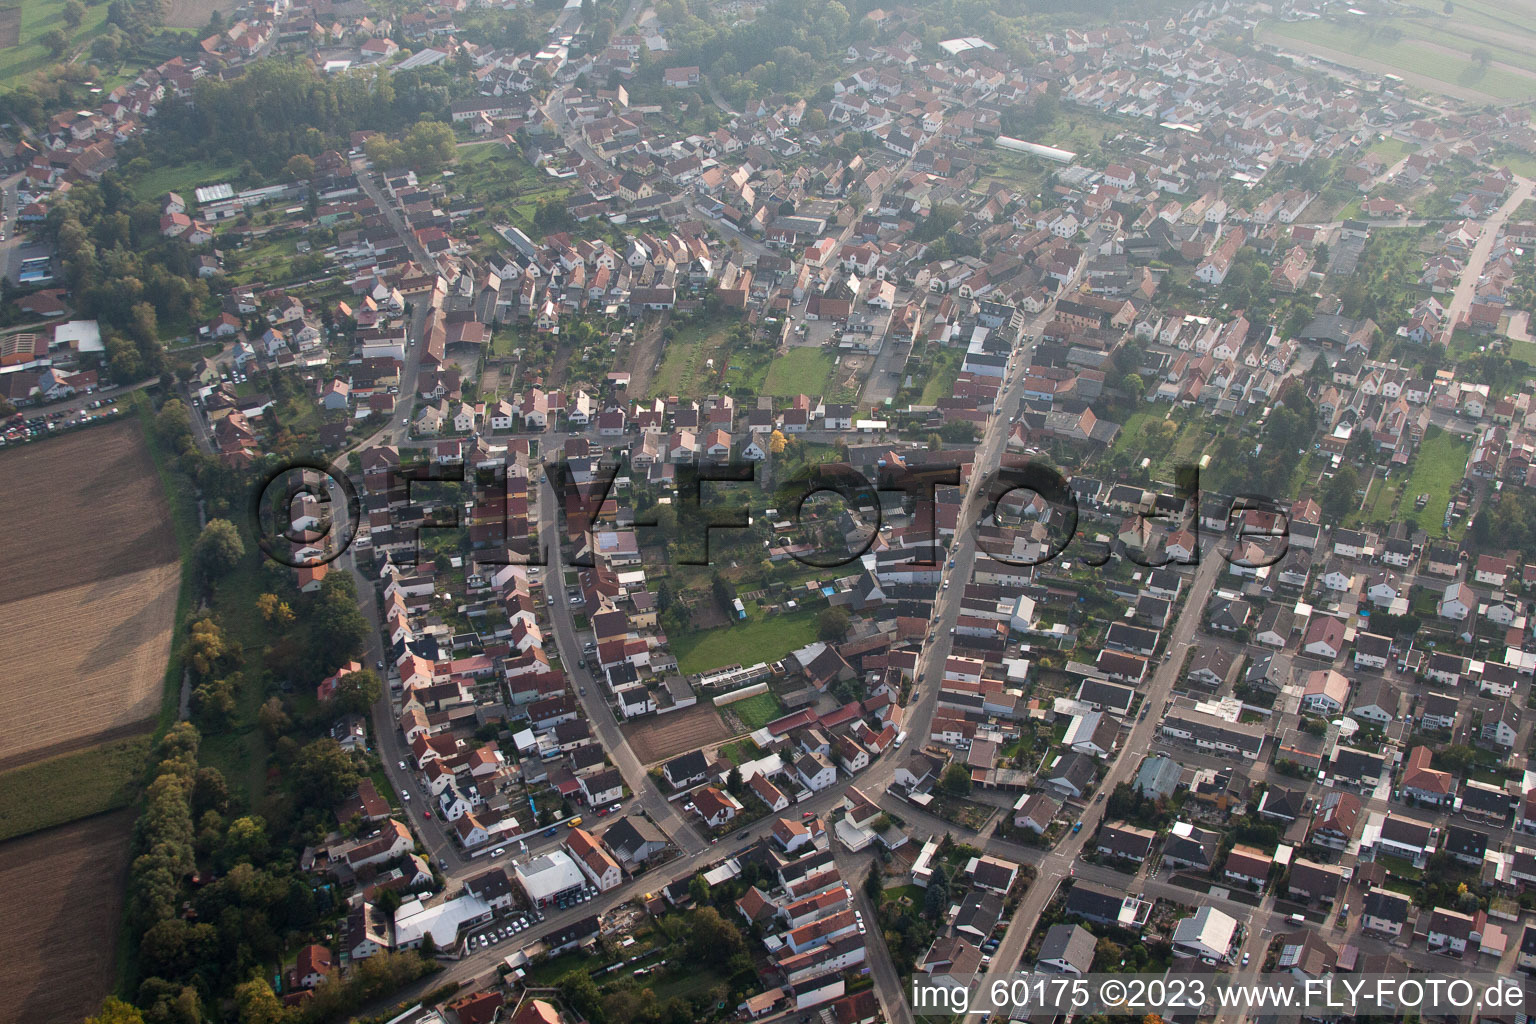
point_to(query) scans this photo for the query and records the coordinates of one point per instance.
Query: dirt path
(644, 355)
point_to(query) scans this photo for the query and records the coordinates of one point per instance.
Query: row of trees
(197, 947)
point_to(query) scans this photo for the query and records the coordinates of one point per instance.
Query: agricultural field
(92, 596)
(195, 13)
(72, 786)
(1437, 54)
(30, 53)
(88, 661)
(661, 737)
(106, 517)
(65, 892)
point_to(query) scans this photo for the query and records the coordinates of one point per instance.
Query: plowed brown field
(64, 893)
(90, 592)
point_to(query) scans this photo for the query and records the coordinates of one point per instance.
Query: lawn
(71, 786)
(801, 371)
(1391, 150)
(744, 643)
(38, 18)
(1130, 439)
(1521, 163)
(741, 751)
(942, 371)
(1437, 470)
(756, 712)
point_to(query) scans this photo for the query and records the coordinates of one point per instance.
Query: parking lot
(21, 428)
(497, 931)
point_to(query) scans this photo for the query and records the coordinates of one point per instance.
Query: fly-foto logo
(308, 514)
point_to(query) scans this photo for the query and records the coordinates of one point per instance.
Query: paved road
(888, 988)
(14, 240)
(1061, 861)
(591, 692)
(1466, 288)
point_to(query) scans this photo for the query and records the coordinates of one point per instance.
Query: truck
(901, 738)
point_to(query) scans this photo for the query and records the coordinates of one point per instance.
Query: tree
(1481, 56)
(74, 13)
(356, 692)
(218, 550)
(936, 898)
(274, 610)
(173, 425)
(956, 780)
(256, 1003)
(832, 624)
(1339, 494)
(720, 589)
(874, 885)
(711, 938)
(733, 781)
(300, 167)
(580, 992)
(322, 775)
(206, 649)
(337, 627)
(55, 41)
(115, 1011)
(428, 146)
(247, 838)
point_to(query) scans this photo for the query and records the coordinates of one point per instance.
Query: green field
(801, 371)
(1420, 53)
(1391, 150)
(756, 712)
(72, 786)
(39, 17)
(182, 179)
(1437, 470)
(744, 643)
